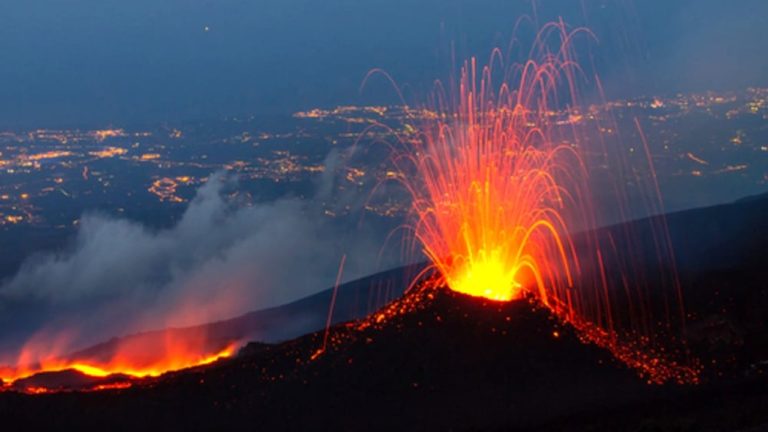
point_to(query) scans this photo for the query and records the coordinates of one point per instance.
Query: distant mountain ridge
(354, 300)
(711, 238)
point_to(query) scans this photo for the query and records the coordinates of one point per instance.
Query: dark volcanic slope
(720, 252)
(459, 363)
(720, 243)
(354, 300)
(454, 362)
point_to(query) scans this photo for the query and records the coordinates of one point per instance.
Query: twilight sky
(86, 62)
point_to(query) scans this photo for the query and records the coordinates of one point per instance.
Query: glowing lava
(491, 187)
(136, 364)
(487, 276)
(502, 223)
(500, 177)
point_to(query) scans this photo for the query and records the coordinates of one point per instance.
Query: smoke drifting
(221, 259)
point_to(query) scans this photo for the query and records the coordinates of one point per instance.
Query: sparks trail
(500, 179)
(329, 320)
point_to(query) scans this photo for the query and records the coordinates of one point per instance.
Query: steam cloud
(218, 261)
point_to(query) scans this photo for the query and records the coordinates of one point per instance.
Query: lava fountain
(489, 207)
(492, 186)
(500, 173)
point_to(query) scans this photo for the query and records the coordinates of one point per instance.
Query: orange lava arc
(500, 173)
(502, 220)
(490, 195)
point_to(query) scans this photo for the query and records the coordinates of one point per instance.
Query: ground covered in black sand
(434, 361)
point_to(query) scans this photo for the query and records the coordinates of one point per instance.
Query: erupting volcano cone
(500, 179)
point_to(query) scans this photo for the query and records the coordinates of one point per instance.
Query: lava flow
(500, 178)
(112, 366)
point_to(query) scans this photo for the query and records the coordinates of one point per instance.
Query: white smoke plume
(219, 260)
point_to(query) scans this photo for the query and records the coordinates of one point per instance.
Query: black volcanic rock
(447, 362)
(443, 361)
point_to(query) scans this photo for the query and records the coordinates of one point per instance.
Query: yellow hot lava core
(486, 276)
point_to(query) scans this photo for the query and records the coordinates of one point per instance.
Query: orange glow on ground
(118, 365)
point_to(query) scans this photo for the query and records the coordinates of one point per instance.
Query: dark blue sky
(87, 62)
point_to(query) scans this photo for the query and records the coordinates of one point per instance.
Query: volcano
(447, 360)
(437, 359)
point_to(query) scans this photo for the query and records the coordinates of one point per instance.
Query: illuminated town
(52, 178)
(133, 171)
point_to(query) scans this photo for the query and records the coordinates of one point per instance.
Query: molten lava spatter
(500, 177)
(492, 187)
(487, 276)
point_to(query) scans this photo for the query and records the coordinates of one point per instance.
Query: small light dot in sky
(207, 28)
